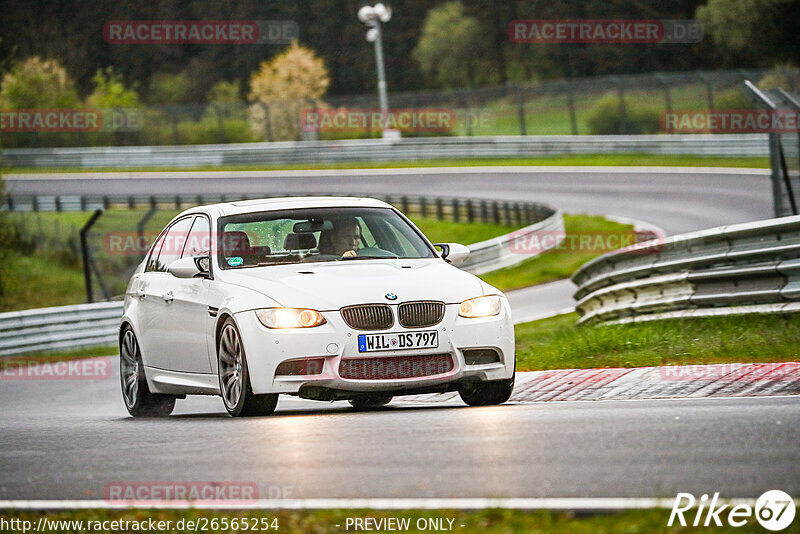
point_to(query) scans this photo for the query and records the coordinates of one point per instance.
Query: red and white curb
(668, 382)
(674, 381)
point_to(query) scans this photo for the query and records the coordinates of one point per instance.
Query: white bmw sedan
(326, 298)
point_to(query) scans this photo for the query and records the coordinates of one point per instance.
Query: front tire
(135, 392)
(234, 379)
(487, 393)
(370, 402)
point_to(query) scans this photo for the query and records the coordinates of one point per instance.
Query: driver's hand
(349, 254)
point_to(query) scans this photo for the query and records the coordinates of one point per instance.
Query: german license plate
(402, 340)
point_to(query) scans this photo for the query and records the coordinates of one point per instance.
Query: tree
(762, 31)
(282, 87)
(452, 49)
(168, 89)
(110, 91)
(37, 83)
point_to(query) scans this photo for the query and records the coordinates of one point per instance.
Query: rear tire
(370, 402)
(234, 378)
(487, 393)
(135, 392)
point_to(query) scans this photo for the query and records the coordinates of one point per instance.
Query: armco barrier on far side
(406, 149)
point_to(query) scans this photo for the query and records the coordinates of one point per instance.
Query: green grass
(38, 282)
(625, 160)
(464, 233)
(558, 343)
(483, 521)
(560, 263)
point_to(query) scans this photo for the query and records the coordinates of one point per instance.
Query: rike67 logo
(774, 510)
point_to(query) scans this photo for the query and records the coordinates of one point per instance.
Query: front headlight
(480, 307)
(290, 317)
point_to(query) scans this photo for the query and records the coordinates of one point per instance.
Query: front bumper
(266, 348)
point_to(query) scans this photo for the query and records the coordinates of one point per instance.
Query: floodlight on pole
(373, 16)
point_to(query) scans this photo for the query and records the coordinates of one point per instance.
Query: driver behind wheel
(342, 240)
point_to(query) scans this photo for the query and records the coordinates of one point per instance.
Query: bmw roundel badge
(391, 296)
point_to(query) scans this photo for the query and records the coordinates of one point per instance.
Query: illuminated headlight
(480, 307)
(290, 318)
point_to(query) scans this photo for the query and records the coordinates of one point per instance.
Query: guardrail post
(87, 273)
(439, 209)
(470, 211)
(496, 212)
(484, 212)
(58, 204)
(517, 214)
(423, 207)
(404, 204)
(507, 213)
(455, 210)
(35, 204)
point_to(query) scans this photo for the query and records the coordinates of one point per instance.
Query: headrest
(236, 243)
(299, 242)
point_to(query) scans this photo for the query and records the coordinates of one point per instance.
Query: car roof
(282, 203)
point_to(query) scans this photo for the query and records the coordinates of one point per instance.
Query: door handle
(168, 297)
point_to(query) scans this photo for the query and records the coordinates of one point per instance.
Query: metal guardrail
(86, 325)
(744, 268)
(407, 149)
(62, 327)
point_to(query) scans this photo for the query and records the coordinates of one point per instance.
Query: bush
(605, 118)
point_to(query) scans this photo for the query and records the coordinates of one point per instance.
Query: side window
(174, 240)
(198, 243)
(152, 261)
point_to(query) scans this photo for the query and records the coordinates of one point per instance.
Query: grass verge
(558, 343)
(560, 263)
(624, 160)
(489, 520)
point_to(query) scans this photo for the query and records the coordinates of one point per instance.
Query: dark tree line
(71, 31)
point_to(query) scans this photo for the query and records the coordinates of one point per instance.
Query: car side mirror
(190, 267)
(454, 253)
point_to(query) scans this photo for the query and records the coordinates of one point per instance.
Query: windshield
(317, 235)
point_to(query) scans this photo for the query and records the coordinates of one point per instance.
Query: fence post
(623, 115)
(87, 273)
(484, 212)
(439, 209)
(667, 97)
(423, 207)
(220, 123)
(467, 113)
(496, 212)
(573, 117)
(523, 128)
(470, 211)
(507, 213)
(455, 210)
(709, 89)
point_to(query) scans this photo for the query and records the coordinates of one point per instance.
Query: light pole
(373, 16)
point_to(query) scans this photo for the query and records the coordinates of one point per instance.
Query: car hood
(331, 285)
